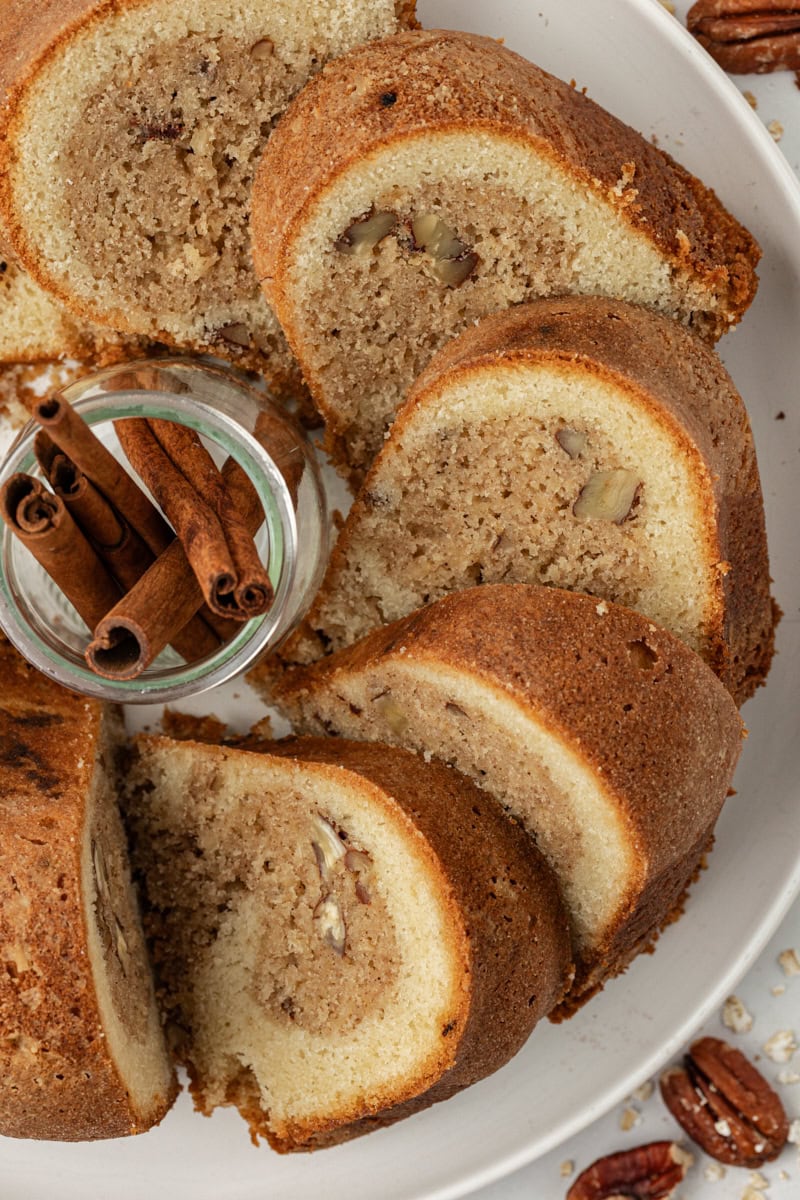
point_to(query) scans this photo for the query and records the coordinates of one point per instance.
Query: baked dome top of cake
(82, 1053)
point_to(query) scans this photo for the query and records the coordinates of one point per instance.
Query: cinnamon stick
(42, 523)
(194, 521)
(135, 632)
(125, 554)
(253, 591)
(75, 438)
(98, 519)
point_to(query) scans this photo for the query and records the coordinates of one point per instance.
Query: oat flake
(735, 1016)
(790, 962)
(781, 1046)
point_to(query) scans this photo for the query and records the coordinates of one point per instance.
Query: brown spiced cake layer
(82, 1054)
(607, 738)
(343, 933)
(132, 208)
(581, 443)
(424, 181)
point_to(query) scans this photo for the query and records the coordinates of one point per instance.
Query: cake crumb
(186, 727)
(645, 1091)
(758, 1181)
(793, 1135)
(566, 1168)
(776, 130)
(669, 6)
(778, 989)
(781, 1046)
(601, 609)
(787, 1076)
(722, 1128)
(789, 962)
(735, 1016)
(750, 98)
(714, 1172)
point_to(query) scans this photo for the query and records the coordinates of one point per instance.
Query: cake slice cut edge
(578, 442)
(132, 210)
(332, 950)
(609, 740)
(457, 180)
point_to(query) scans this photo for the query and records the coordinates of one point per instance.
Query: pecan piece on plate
(726, 1105)
(748, 36)
(650, 1172)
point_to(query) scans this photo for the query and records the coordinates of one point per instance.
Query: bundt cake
(583, 443)
(424, 181)
(132, 207)
(82, 1054)
(607, 738)
(344, 933)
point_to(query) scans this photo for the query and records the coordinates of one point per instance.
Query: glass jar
(232, 419)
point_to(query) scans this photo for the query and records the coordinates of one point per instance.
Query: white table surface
(772, 997)
(777, 100)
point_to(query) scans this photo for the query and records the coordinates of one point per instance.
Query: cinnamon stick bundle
(194, 521)
(42, 523)
(253, 590)
(144, 621)
(194, 497)
(125, 554)
(74, 437)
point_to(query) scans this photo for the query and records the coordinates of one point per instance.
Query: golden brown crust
(684, 387)
(333, 124)
(640, 709)
(57, 1078)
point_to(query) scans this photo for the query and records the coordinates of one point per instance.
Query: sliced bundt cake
(81, 1049)
(344, 933)
(610, 740)
(580, 442)
(424, 181)
(132, 207)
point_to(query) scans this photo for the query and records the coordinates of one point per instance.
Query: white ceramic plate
(636, 61)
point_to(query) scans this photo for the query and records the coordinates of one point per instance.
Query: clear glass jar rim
(233, 657)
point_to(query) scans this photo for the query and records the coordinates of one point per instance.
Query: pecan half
(726, 1105)
(649, 1172)
(748, 36)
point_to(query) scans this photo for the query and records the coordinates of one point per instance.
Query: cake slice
(344, 933)
(35, 328)
(132, 208)
(82, 1054)
(607, 738)
(583, 443)
(422, 182)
